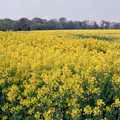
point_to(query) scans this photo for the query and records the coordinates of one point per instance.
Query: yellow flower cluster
(60, 75)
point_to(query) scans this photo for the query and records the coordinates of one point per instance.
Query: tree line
(62, 23)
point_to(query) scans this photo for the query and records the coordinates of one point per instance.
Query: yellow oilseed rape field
(60, 75)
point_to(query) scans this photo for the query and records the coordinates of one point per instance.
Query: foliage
(24, 24)
(54, 75)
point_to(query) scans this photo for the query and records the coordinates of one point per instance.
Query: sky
(71, 9)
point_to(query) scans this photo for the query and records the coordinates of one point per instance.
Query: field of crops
(60, 75)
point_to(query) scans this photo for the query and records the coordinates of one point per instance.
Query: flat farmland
(60, 75)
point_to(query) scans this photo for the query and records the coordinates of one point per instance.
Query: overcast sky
(71, 9)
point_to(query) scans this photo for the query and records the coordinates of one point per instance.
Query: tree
(62, 22)
(6, 24)
(105, 24)
(22, 24)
